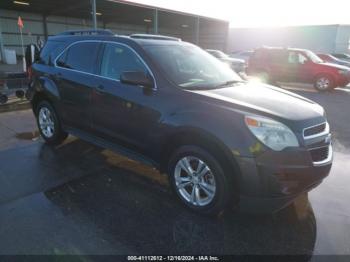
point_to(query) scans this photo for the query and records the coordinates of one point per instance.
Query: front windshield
(313, 57)
(190, 67)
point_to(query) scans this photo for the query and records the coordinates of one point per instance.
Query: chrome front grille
(315, 131)
(319, 143)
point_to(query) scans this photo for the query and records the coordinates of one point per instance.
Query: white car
(238, 65)
(244, 55)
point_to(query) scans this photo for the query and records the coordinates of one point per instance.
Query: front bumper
(272, 180)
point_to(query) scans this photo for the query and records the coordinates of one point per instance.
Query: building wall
(33, 27)
(342, 41)
(212, 33)
(323, 38)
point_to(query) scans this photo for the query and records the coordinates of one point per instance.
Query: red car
(296, 65)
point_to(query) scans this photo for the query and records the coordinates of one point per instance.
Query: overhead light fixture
(20, 3)
(147, 20)
(184, 26)
(97, 13)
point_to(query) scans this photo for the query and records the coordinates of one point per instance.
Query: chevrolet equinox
(156, 99)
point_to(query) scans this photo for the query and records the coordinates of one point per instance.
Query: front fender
(227, 128)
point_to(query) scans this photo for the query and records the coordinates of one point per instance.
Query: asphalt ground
(84, 200)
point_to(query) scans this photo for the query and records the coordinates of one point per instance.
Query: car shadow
(133, 204)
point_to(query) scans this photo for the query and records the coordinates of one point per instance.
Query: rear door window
(80, 57)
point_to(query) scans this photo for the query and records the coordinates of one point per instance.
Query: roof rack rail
(155, 37)
(87, 32)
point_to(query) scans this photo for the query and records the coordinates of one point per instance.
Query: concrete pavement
(81, 199)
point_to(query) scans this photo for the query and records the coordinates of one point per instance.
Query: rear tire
(49, 124)
(3, 99)
(20, 94)
(324, 83)
(199, 180)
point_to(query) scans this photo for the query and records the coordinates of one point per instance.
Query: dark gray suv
(222, 141)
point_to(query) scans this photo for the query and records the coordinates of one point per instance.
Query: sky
(263, 13)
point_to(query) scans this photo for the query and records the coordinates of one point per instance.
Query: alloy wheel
(195, 181)
(323, 83)
(46, 122)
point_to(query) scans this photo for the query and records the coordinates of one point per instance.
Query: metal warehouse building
(319, 38)
(49, 17)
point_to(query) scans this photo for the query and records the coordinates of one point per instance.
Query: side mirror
(136, 78)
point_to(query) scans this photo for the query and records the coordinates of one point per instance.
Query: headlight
(273, 134)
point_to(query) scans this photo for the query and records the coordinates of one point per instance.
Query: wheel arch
(204, 140)
(37, 98)
(44, 89)
(318, 74)
(332, 77)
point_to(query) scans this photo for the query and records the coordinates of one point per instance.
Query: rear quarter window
(50, 51)
(81, 56)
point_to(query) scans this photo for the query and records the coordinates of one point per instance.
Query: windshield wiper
(221, 85)
(229, 83)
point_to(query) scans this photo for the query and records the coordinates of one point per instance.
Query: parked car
(332, 59)
(238, 65)
(343, 56)
(244, 55)
(275, 64)
(222, 141)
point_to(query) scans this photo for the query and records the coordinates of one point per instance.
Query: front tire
(199, 180)
(49, 124)
(324, 83)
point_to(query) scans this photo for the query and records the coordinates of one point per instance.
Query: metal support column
(197, 30)
(155, 21)
(46, 34)
(94, 19)
(226, 38)
(2, 49)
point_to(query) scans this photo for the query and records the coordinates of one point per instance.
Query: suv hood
(336, 66)
(233, 60)
(264, 99)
